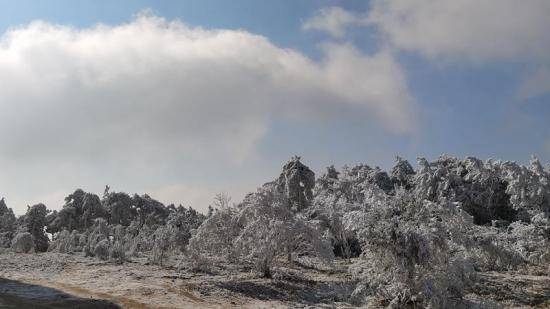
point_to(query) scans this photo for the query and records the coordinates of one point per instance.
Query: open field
(53, 280)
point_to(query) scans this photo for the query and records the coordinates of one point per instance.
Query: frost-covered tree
(183, 222)
(78, 213)
(120, 207)
(23, 243)
(101, 249)
(296, 182)
(163, 241)
(262, 229)
(216, 234)
(222, 200)
(66, 242)
(7, 218)
(478, 186)
(117, 252)
(402, 173)
(7, 224)
(407, 257)
(118, 246)
(34, 222)
(123, 209)
(416, 236)
(138, 238)
(532, 241)
(149, 210)
(337, 194)
(507, 248)
(270, 230)
(99, 232)
(528, 187)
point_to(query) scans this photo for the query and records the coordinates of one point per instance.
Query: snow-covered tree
(7, 224)
(98, 233)
(22, 243)
(65, 242)
(183, 222)
(407, 254)
(222, 200)
(216, 234)
(262, 229)
(78, 213)
(402, 173)
(34, 222)
(476, 185)
(296, 182)
(162, 243)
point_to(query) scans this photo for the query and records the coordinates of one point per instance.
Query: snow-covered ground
(139, 285)
(68, 281)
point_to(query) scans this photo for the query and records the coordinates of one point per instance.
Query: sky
(186, 99)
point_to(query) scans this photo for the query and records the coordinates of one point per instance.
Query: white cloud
(383, 82)
(333, 21)
(472, 29)
(150, 93)
(468, 31)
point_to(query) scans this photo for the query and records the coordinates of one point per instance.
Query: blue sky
(472, 91)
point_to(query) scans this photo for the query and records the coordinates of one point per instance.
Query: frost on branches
(7, 225)
(267, 226)
(407, 238)
(296, 184)
(409, 254)
(419, 235)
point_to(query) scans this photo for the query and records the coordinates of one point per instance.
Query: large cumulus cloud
(153, 92)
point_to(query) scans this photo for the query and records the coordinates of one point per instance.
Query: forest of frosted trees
(409, 237)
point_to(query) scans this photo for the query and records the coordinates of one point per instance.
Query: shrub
(22, 243)
(198, 263)
(98, 233)
(262, 229)
(163, 241)
(35, 221)
(63, 243)
(5, 239)
(117, 253)
(101, 249)
(408, 257)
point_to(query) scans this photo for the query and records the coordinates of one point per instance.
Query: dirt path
(17, 294)
(67, 281)
(132, 285)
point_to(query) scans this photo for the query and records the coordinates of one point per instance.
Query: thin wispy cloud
(334, 21)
